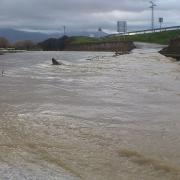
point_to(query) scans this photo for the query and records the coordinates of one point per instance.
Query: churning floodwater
(108, 118)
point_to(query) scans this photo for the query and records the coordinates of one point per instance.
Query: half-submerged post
(55, 62)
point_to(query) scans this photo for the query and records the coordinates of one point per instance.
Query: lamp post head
(153, 4)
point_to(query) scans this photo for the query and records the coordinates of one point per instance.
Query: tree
(4, 43)
(54, 44)
(25, 45)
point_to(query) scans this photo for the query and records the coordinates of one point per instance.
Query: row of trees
(26, 44)
(51, 44)
(4, 43)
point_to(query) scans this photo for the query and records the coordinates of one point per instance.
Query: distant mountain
(17, 35)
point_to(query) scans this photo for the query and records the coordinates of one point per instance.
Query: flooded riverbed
(111, 118)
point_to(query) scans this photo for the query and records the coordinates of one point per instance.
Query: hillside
(17, 35)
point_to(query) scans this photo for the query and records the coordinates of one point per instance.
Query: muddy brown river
(108, 118)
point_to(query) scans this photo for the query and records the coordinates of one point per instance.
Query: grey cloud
(81, 14)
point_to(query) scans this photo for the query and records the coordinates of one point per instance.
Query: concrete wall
(122, 46)
(173, 50)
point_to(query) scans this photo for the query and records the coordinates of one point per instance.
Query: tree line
(21, 45)
(51, 44)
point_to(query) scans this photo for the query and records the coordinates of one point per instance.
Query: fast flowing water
(111, 118)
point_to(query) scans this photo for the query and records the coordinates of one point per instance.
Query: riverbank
(113, 46)
(9, 50)
(85, 44)
(173, 49)
(108, 43)
(156, 37)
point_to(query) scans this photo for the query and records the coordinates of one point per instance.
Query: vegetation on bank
(53, 44)
(19, 45)
(82, 40)
(61, 43)
(158, 37)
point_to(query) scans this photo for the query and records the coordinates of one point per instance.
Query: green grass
(158, 37)
(82, 40)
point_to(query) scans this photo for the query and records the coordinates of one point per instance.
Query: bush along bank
(70, 44)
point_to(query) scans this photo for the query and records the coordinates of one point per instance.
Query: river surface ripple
(111, 118)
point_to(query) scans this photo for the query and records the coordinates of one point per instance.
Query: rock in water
(55, 62)
(173, 49)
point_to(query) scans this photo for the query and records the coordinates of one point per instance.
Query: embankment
(85, 44)
(115, 46)
(156, 37)
(173, 49)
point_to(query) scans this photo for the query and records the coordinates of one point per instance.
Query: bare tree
(4, 43)
(26, 44)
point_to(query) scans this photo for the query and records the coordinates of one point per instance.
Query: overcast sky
(85, 15)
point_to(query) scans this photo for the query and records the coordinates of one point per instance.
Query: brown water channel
(112, 118)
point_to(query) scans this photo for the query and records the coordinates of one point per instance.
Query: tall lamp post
(152, 18)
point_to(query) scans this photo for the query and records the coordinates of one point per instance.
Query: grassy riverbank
(158, 37)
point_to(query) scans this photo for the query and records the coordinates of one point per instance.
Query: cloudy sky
(84, 15)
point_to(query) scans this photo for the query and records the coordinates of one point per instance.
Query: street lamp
(152, 18)
(160, 22)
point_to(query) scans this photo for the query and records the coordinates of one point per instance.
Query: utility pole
(64, 28)
(160, 22)
(152, 18)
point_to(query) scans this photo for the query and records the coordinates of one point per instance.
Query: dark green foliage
(53, 44)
